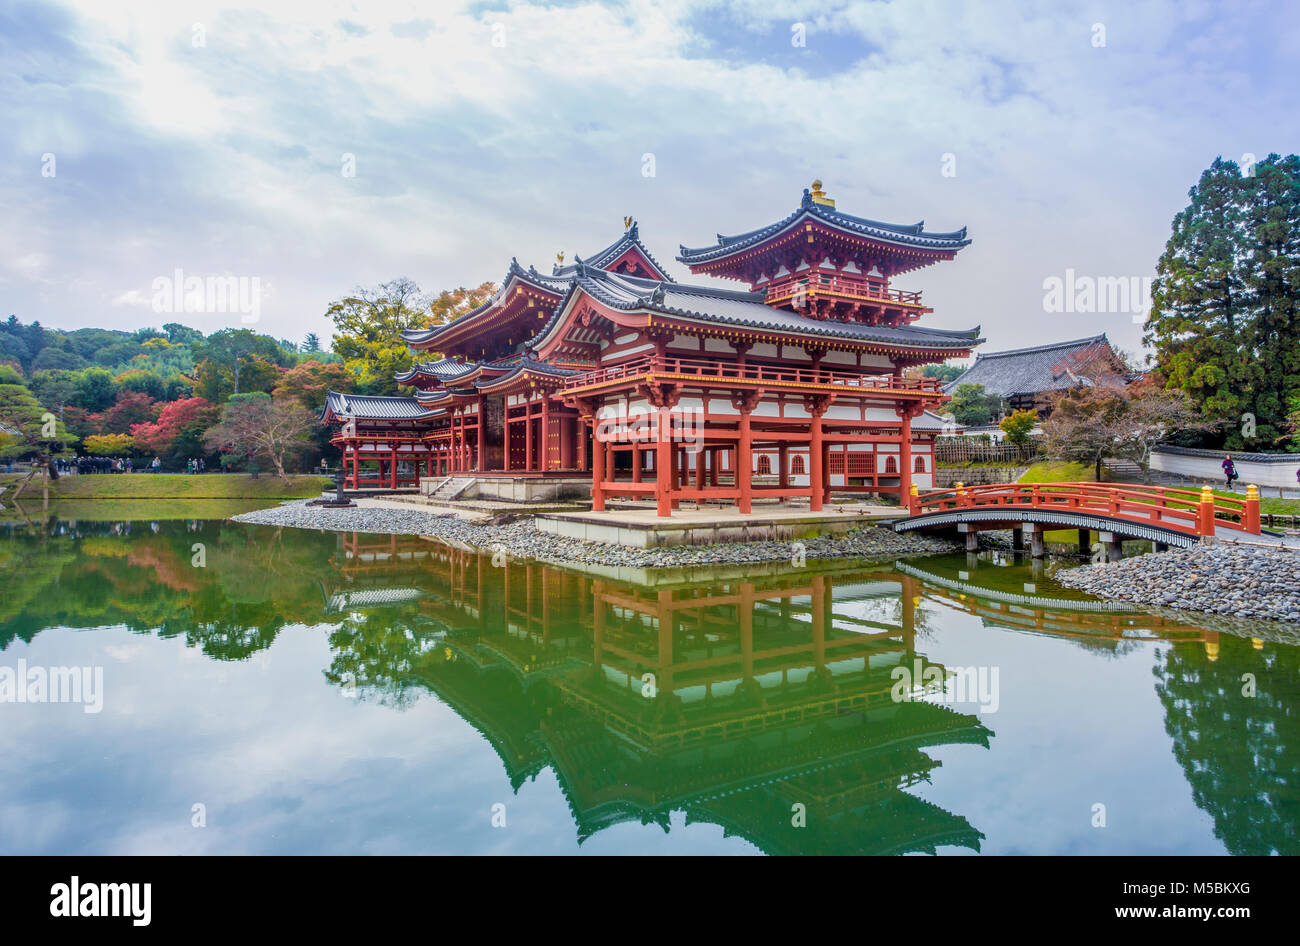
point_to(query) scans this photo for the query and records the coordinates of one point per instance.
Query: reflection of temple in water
(741, 703)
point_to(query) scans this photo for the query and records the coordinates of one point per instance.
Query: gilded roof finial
(819, 195)
(627, 223)
(559, 257)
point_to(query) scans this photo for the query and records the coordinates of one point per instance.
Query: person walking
(1229, 469)
(156, 465)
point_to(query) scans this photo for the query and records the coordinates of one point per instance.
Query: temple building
(610, 377)
(1027, 378)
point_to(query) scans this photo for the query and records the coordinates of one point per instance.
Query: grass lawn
(1052, 471)
(168, 486)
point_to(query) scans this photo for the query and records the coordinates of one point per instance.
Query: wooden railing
(749, 372)
(1188, 511)
(840, 286)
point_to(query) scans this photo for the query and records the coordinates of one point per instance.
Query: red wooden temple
(792, 389)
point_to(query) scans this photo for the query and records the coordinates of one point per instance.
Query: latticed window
(891, 466)
(862, 464)
(836, 464)
(796, 465)
(919, 466)
(764, 465)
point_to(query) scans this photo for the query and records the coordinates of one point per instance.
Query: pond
(207, 687)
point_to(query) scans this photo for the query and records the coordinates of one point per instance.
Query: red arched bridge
(1164, 515)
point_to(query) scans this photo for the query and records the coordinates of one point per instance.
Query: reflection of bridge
(1060, 617)
(1164, 515)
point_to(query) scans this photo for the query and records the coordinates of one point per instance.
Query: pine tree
(1224, 323)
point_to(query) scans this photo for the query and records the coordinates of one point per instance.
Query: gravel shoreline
(1235, 580)
(521, 540)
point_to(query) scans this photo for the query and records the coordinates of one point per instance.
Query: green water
(280, 691)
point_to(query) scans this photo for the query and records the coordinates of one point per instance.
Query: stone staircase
(451, 488)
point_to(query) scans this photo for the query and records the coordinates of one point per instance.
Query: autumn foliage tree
(258, 426)
(179, 427)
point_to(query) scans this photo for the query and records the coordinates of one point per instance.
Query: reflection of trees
(1238, 751)
(251, 584)
(376, 652)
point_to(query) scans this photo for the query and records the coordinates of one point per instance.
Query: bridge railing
(1190, 511)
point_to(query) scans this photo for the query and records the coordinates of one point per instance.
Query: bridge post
(972, 536)
(1250, 510)
(1017, 539)
(1205, 512)
(1036, 546)
(914, 501)
(1085, 541)
(1114, 546)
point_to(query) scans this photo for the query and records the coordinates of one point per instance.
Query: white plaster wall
(1207, 468)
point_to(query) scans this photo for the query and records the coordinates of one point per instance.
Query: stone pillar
(1036, 548)
(1114, 545)
(1085, 541)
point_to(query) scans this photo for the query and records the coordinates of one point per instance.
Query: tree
(944, 373)
(1018, 425)
(96, 389)
(228, 356)
(180, 425)
(971, 407)
(256, 425)
(108, 445)
(27, 428)
(309, 382)
(1225, 323)
(1154, 414)
(1114, 419)
(368, 330)
(130, 408)
(311, 344)
(451, 304)
(1084, 424)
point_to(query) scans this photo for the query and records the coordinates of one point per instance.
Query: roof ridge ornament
(818, 196)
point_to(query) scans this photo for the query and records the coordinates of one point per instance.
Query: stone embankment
(521, 540)
(1237, 580)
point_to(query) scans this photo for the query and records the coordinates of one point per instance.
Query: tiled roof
(1029, 370)
(445, 369)
(904, 234)
(602, 258)
(706, 304)
(526, 365)
(516, 272)
(370, 407)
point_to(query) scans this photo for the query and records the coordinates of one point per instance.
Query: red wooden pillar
(528, 434)
(392, 473)
(597, 470)
(663, 464)
(636, 463)
(356, 468)
(783, 458)
(582, 446)
(715, 460)
(506, 436)
(610, 475)
(905, 455)
(546, 431)
(478, 432)
(699, 468)
(815, 451)
(745, 463)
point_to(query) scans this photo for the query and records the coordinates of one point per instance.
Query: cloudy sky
(145, 138)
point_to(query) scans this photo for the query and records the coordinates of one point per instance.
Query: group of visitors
(193, 465)
(94, 465)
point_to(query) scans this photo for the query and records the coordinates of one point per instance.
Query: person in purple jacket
(1229, 469)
